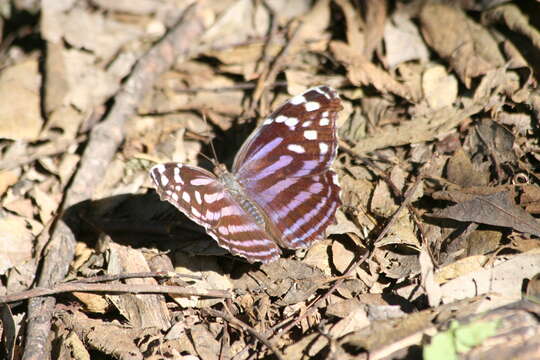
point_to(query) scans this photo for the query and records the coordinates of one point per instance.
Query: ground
(435, 250)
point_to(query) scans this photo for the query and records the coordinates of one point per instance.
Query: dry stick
(234, 321)
(104, 140)
(41, 151)
(236, 87)
(114, 288)
(272, 35)
(136, 275)
(276, 67)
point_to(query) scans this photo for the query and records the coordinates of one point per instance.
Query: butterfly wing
(298, 139)
(300, 209)
(202, 198)
(284, 166)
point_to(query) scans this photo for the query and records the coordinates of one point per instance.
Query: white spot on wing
(164, 179)
(186, 197)
(281, 118)
(201, 181)
(174, 196)
(312, 106)
(177, 177)
(324, 121)
(321, 91)
(291, 122)
(210, 198)
(198, 197)
(268, 121)
(323, 147)
(306, 123)
(299, 149)
(335, 179)
(195, 212)
(159, 168)
(310, 134)
(223, 230)
(230, 210)
(297, 100)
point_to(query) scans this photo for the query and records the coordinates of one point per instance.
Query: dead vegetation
(435, 250)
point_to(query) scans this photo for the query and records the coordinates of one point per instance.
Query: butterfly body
(280, 191)
(237, 192)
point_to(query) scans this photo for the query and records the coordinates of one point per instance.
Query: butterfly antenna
(208, 158)
(215, 160)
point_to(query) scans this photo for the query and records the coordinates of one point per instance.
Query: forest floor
(435, 250)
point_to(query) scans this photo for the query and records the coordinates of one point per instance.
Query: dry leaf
(402, 41)
(16, 240)
(440, 89)
(505, 277)
(461, 171)
(20, 118)
(469, 48)
(141, 310)
(496, 209)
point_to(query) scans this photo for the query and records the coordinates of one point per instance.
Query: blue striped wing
(284, 166)
(202, 198)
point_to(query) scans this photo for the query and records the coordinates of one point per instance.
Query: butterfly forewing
(285, 164)
(202, 198)
(298, 139)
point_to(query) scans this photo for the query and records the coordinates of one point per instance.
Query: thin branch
(113, 288)
(234, 321)
(137, 275)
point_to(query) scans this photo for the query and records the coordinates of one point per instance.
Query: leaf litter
(438, 165)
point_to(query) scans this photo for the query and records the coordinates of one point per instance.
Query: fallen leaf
(469, 47)
(504, 277)
(20, 118)
(403, 41)
(496, 209)
(461, 171)
(16, 240)
(440, 89)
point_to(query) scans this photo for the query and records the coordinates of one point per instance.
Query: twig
(139, 275)
(236, 87)
(270, 75)
(113, 288)
(40, 151)
(104, 140)
(234, 321)
(330, 291)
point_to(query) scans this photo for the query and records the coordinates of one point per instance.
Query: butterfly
(281, 191)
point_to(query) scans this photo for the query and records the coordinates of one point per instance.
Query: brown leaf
(531, 198)
(461, 171)
(205, 342)
(505, 277)
(20, 118)
(469, 48)
(494, 140)
(362, 72)
(141, 310)
(403, 41)
(496, 209)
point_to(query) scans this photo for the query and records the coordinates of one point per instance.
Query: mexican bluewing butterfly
(281, 190)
